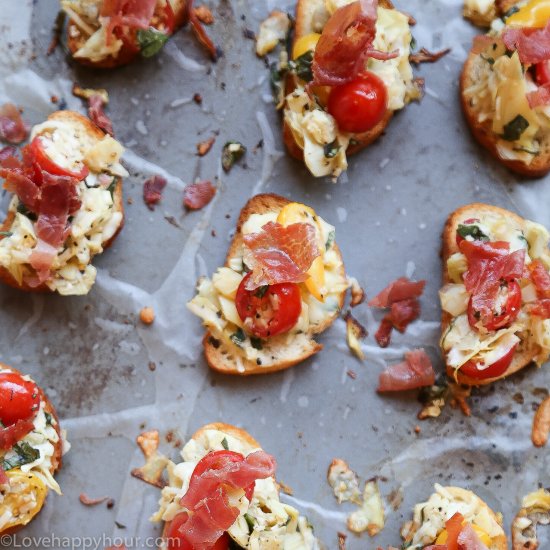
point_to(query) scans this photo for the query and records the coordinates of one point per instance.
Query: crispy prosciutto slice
(133, 14)
(469, 540)
(532, 45)
(489, 265)
(540, 278)
(415, 372)
(280, 254)
(97, 114)
(208, 499)
(12, 127)
(198, 195)
(400, 289)
(200, 31)
(152, 191)
(346, 43)
(10, 435)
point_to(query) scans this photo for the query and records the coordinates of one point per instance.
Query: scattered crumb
(352, 374)
(147, 315)
(370, 517)
(343, 481)
(285, 488)
(357, 293)
(541, 424)
(152, 366)
(273, 30)
(417, 429)
(204, 146)
(342, 541)
(197, 98)
(87, 501)
(204, 14)
(354, 333)
(153, 470)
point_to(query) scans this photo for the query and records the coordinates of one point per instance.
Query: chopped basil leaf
(260, 291)
(471, 230)
(238, 337)
(514, 128)
(112, 187)
(25, 455)
(413, 43)
(489, 60)
(510, 12)
(330, 240)
(225, 445)
(256, 343)
(232, 152)
(22, 209)
(331, 149)
(49, 418)
(151, 41)
(6, 233)
(276, 77)
(302, 66)
(250, 521)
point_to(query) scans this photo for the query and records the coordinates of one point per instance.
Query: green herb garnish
(232, 152)
(49, 418)
(238, 337)
(250, 521)
(151, 41)
(330, 239)
(302, 66)
(514, 128)
(256, 343)
(225, 445)
(510, 12)
(331, 149)
(6, 233)
(25, 454)
(260, 291)
(22, 209)
(471, 230)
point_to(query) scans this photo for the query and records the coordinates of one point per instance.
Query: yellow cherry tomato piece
(483, 536)
(304, 44)
(24, 498)
(296, 212)
(534, 14)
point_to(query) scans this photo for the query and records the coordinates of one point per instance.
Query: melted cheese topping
(430, 516)
(462, 343)
(264, 522)
(31, 479)
(215, 300)
(316, 131)
(498, 95)
(97, 221)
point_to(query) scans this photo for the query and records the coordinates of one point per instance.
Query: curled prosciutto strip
(134, 14)
(198, 195)
(279, 254)
(398, 290)
(415, 371)
(539, 97)
(10, 435)
(346, 43)
(532, 45)
(12, 127)
(98, 116)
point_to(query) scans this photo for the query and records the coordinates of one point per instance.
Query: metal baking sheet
(93, 356)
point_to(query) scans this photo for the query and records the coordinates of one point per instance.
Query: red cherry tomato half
(19, 398)
(176, 541)
(542, 73)
(469, 221)
(496, 369)
(507, 316)
(271, 311)
(48, 165)
(217, 460)
(360, 105)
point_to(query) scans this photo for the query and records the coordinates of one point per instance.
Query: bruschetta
(454, 518)
(110, 33)
(223, 494)
(31, 449)
(347, 72)
(283, 283)
(495, 295)
(66, 206)
(504, 89)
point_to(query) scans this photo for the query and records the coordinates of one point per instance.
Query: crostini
(495, 295)
(504, 89)
(31, 449)
(224, 495)
(454, 518)
(110, 33)
(348, 72)
(283, 283)
(66, 206)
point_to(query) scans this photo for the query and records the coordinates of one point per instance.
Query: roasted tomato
(176, 541)
(48, 165)
(508, 312)
(269, 310)
(358, 106)
(495, 369)
(19, 398)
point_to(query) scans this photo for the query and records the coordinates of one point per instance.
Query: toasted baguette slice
(58, 449)
(304, 25)
(86, 126)
(484, 135)
(521, 358)
(128, 52)
(498, 542)
(219, 357)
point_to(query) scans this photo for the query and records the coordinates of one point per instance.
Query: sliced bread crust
(90, 128)
(485, 136)
(216, 354)
(305, 11)
(521, 358)
(127, 53)
(57, 460)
